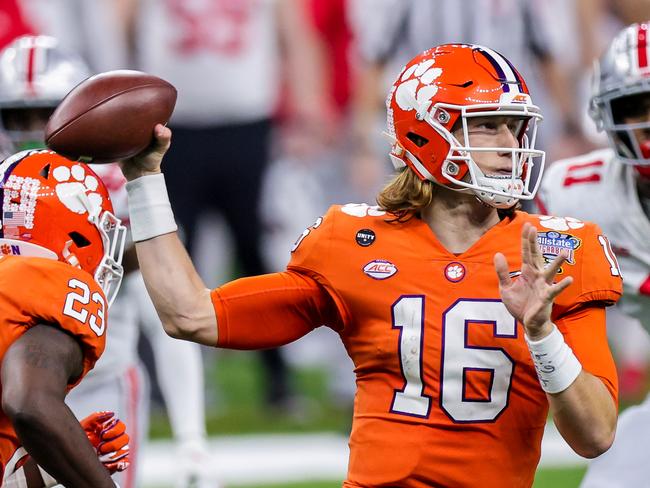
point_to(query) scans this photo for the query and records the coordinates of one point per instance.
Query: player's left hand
(529, 298)
(108, 436)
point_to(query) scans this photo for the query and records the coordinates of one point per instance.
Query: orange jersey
(447, 394)
(42, 291)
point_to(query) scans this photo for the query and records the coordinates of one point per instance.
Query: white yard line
(252, 459)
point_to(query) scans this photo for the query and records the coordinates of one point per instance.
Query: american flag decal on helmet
(13, 219)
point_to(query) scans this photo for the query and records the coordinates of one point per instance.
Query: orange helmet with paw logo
(435, 95)
(56, 208)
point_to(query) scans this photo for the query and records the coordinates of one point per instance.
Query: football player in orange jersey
(467, 319)
(60, 267)
(36, 72)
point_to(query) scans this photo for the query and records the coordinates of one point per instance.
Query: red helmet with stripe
(621, 88)
(435, 94)
(35, 75)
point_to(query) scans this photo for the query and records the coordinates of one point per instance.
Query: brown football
(110, 116)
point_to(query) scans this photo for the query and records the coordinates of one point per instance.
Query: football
(110, 116)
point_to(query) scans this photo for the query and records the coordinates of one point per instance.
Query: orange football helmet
(60, 209)
(437, 92)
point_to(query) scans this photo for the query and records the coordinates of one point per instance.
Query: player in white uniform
(119, 379)
(612, 187)
(35, 74)
(215, 52)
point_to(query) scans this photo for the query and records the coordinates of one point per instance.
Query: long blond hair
(405, 194)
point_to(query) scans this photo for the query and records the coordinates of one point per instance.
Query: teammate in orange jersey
(457, 365)
(60, 254)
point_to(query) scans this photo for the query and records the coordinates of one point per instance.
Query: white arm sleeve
(179, 369)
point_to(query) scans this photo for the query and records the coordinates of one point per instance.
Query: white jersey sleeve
(569, 182)
(597, 187)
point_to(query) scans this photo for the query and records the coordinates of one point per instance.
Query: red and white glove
(108, 436)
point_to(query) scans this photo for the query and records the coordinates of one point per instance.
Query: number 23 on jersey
(85, 306)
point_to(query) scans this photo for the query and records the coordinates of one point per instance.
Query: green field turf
(235, 405)
(235, 401)
(546, 478)
(559, 478)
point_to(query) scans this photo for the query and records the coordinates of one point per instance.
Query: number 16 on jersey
(457, 358)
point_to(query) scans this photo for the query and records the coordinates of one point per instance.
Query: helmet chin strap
(485, 196)
(69, 256)
(484, 187)
(498, 183)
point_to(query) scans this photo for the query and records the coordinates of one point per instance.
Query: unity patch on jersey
(365, 237)
(552, 243)
(380, 269)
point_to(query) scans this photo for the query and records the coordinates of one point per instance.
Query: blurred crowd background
(280, 113)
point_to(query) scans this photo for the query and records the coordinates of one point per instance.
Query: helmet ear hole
(418, 140)
(45, 171)
(78, 239)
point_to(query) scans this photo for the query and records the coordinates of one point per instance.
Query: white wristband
(150, 212)
(556, 365)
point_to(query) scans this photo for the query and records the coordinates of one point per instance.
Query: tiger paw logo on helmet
(415, 90)
(72, 184)
(55, 208)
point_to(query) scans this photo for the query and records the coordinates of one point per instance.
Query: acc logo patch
(514, 98)
(380, 269)
(551, 244)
